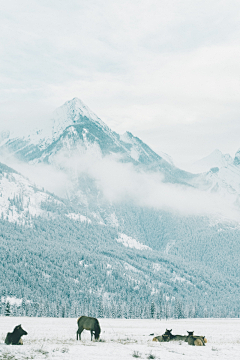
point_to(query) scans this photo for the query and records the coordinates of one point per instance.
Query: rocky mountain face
(127, 224)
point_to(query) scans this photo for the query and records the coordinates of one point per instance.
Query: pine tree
(100, 309)
(152, 310)
(8, 309)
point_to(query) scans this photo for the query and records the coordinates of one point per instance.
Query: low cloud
(121, 182)
(44, 176)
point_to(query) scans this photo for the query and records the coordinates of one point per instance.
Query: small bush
(151, 356)
(136, 354)
(6, 356)
(41, 351)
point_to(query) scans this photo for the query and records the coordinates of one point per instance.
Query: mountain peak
(215, 159)
(77, 105)
(72, 112)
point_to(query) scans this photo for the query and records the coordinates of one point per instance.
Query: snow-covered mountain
(71, 126)
(75, 141)
(102, 245)
(220, 175)
(73, 132)
(215, 159)
(21, 200)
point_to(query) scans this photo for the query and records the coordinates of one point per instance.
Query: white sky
(166, 70)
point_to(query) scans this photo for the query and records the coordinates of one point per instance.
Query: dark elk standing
(14, 337)
(88, 323)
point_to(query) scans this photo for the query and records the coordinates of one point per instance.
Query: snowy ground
(53, 338)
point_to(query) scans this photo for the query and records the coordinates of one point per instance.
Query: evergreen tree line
(102, 309)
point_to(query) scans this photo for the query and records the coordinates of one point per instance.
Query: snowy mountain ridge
(70, 113)
(120, 241)
(74, 131)
(73, 118)
(215, 159)
(220, 175)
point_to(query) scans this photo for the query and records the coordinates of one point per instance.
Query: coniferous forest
(61, 267)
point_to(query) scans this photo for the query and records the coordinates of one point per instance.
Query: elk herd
(92, 324)
(191, 339)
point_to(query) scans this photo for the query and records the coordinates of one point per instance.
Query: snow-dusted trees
(62, 267)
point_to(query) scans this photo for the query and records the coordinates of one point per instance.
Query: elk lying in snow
(195, 340)
(161, 338)
(190, 338)
(88, 323)
(168, 336)
(14, 337)
(175, 337)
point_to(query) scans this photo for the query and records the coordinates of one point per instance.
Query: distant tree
(167, 309)
(24, 307)
(8, 309)
(113, 311)
(119, 310)
(152, 310)
(178, 310)
(131, 311)
(191, 311)
(100, 309)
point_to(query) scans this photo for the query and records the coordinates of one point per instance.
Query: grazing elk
(88, 323)
(14, 337)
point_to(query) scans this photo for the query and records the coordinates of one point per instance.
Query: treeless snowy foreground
(54, 338)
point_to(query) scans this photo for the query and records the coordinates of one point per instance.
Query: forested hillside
(210, 241)
(64, 267)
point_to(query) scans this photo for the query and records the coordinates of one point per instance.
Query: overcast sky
(166, 70)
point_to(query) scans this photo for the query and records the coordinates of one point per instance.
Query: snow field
(55, 338)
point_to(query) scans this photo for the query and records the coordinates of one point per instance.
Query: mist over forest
(98, 223)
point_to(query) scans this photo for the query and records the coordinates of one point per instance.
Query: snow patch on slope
(12, 300)
(128, 241)
(14, 190)
(20, 200)
(78, 217)
(113, 220)
(169, 245)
